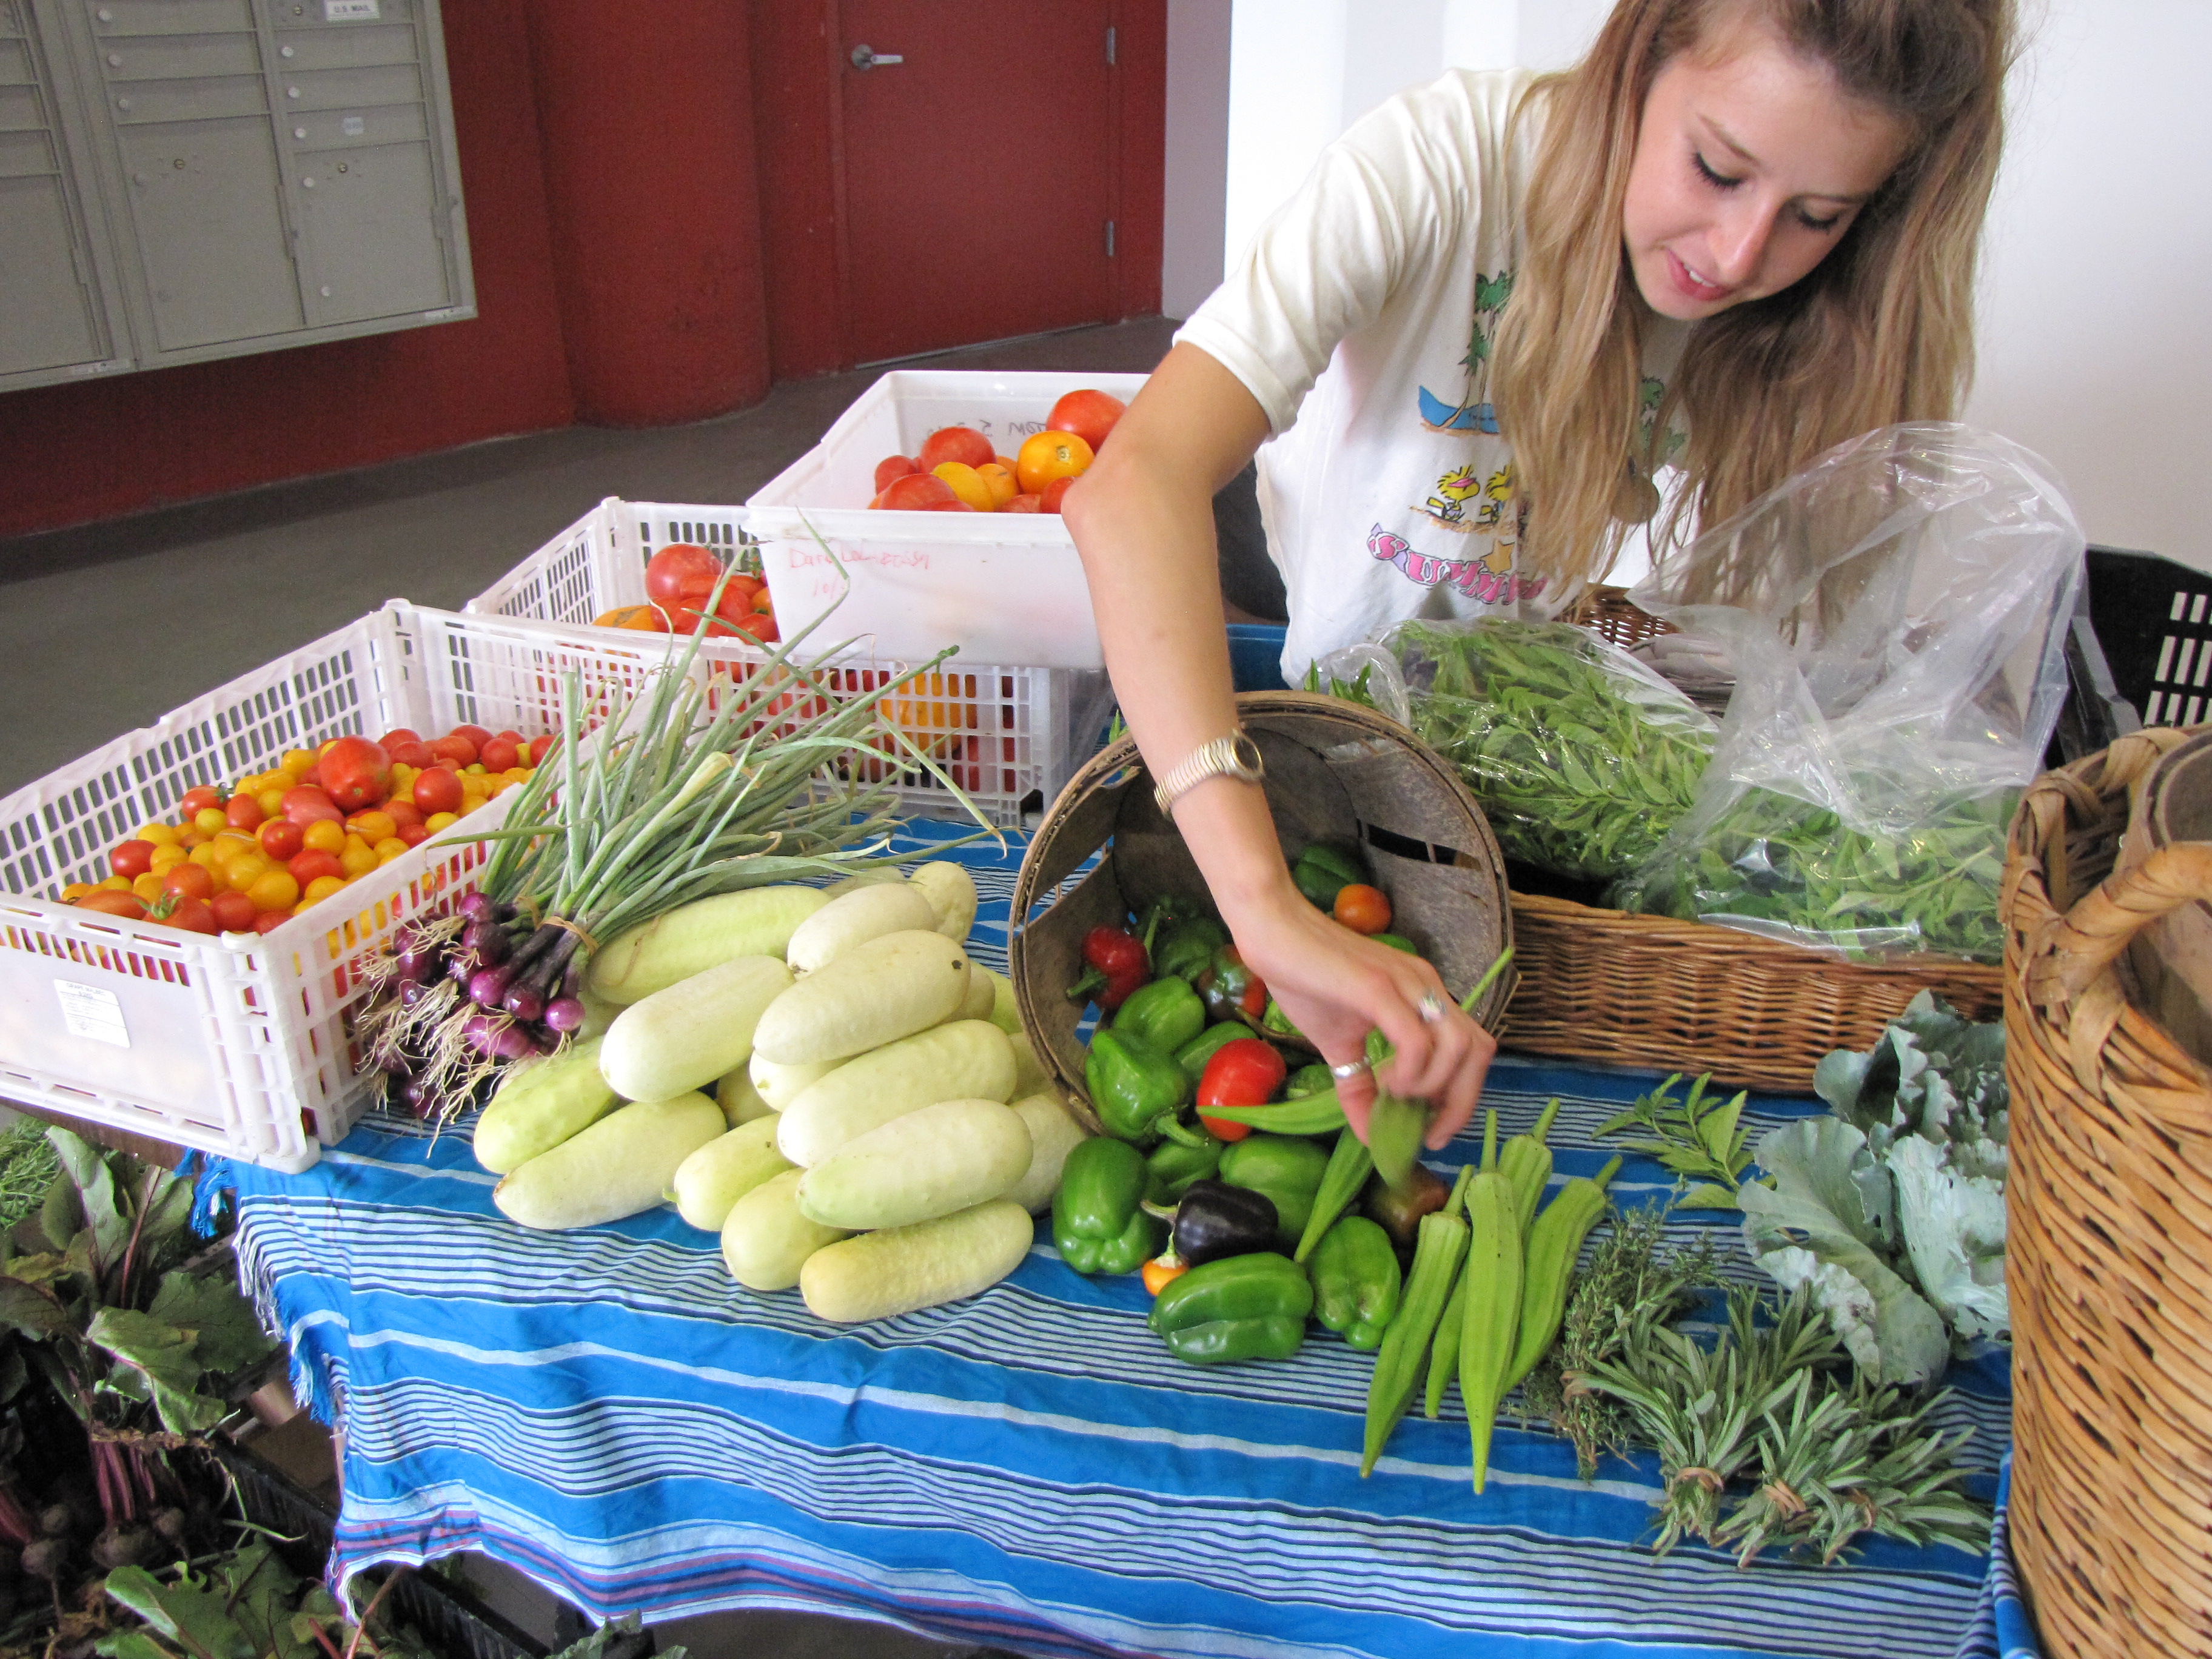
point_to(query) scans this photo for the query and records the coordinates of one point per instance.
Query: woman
(1738, 232)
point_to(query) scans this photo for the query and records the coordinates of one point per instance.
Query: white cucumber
(765, 1240)
(541, 1104)
(966, 1058)
(599, 1012)
(981, 997)
(691, 1034)
(1053, 1135)
(863, 914)
(874, 993)
(1031, 1077)
(740, 1102)
(868, 875)
(621, 1165)
(779, 1085)
(724, 1170)
(951, 894)
(693, 938)
(1005, 1013)
(881, 1274)
(918, 1167)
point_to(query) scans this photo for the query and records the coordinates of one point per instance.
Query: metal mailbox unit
(182, 180)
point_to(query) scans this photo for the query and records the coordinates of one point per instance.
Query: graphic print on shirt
(1488, 579)
(1473, 413)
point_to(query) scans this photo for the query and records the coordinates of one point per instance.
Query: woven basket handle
(2092, 935)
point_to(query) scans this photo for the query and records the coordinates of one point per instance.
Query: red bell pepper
(1117, 966)
(1245, 1073)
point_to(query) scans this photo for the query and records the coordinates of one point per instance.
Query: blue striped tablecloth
(609, 1413)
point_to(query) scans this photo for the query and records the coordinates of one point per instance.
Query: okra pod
(1444, 1353)
(1349, 1166)
(1306, 1115)
(1554, 1244)
(1527, 1161)
(1395, 1125)
(1492, 1310)
(1437, 1254)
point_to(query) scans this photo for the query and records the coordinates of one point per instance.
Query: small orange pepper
(1163, 1270)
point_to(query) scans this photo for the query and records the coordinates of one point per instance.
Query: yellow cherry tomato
(208, 857)
(324, 835)
(372, 827)
(274, 889)
(167, 859)
(320, 888)
(354, 858)
(272, 801)
(210, 821)
(116, 884)
(438, 821)
(75, 891)
(147, 888)
(161, 834)
(242, 872)
(294, 761)
(388, 849)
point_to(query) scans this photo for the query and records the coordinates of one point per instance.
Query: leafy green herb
(26, 1170)
(1581, 760)
(1697, 1137)
(1781, 867)
(1631, 1283)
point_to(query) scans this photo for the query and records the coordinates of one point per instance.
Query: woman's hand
(1336, 986)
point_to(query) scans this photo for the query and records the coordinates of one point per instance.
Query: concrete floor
(107, 626)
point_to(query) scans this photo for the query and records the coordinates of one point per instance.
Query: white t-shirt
(1361, 320)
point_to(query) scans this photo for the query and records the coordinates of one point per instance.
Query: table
(609, 1413)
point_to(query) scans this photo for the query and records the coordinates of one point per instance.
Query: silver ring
(1430, 1008)
(1350, 1069)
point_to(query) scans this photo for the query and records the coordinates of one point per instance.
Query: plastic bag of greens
(1580, 756)
(1896, 616)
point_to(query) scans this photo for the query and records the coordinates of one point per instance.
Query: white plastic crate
(1009, 736)
(1001, 585)
(240, 1044)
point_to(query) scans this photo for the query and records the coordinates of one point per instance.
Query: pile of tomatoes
(249, 859)
(679, 587)
(958, 471)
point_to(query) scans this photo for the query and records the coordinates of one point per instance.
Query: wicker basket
(1335, 772)
(1688, 996)
(2109, 1208)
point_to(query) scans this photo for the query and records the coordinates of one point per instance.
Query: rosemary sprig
(1697, 1137)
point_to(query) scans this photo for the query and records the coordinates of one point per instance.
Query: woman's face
(1749, 167)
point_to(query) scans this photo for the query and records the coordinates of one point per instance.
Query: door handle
(866, 57)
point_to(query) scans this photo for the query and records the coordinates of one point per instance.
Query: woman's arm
(1142, 520)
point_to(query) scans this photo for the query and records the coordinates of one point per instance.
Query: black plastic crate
(2154, 619)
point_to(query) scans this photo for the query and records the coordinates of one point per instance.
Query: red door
(979, 170)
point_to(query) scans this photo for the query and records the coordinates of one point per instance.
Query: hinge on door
(1109, 239)
(1110, 46)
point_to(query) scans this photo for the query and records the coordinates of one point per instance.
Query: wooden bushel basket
(1335, 772)
(2108, 1212)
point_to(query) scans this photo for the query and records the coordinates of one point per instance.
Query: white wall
(1197, 153)
(2095, 334)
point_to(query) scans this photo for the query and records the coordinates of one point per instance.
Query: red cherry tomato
(498, 755)
(192, 880)
(193, 916)
(414, 834)
(311, 864)
(268, 922)
(916, 491)
(109, 902)
(132, 858)
(199, 799)
(399, 734)
(437, 790)
(741, 595)
(681, 573)
(1054, 493)
(541, 747)
(1025, 502)
(233, 912)
(356, 774)
(893, 466)
(474, 734)
(281, 839)
(403, 814)
(456, 751)
(1363, 908)
(760, 625)
(510, 734)
(244, 812)
(311, 779)
(309, 804)
(1089, 414)
(415, 754)
(955, 443)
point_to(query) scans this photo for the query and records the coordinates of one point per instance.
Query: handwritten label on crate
(352, 11)
(89, 1011)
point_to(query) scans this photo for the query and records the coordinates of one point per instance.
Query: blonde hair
(1879, 331)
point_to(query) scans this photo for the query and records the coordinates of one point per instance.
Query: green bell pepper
(1167, 1014)
(1322, 872)
(1173, 1166)
(1240, 1307)
(1193, 1054)
(1356, 1282)
(1098, 1226)
(1313, 1080)
(1287, 1170)
(1188, 947)
(1396, 942)
(1135, 1088)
